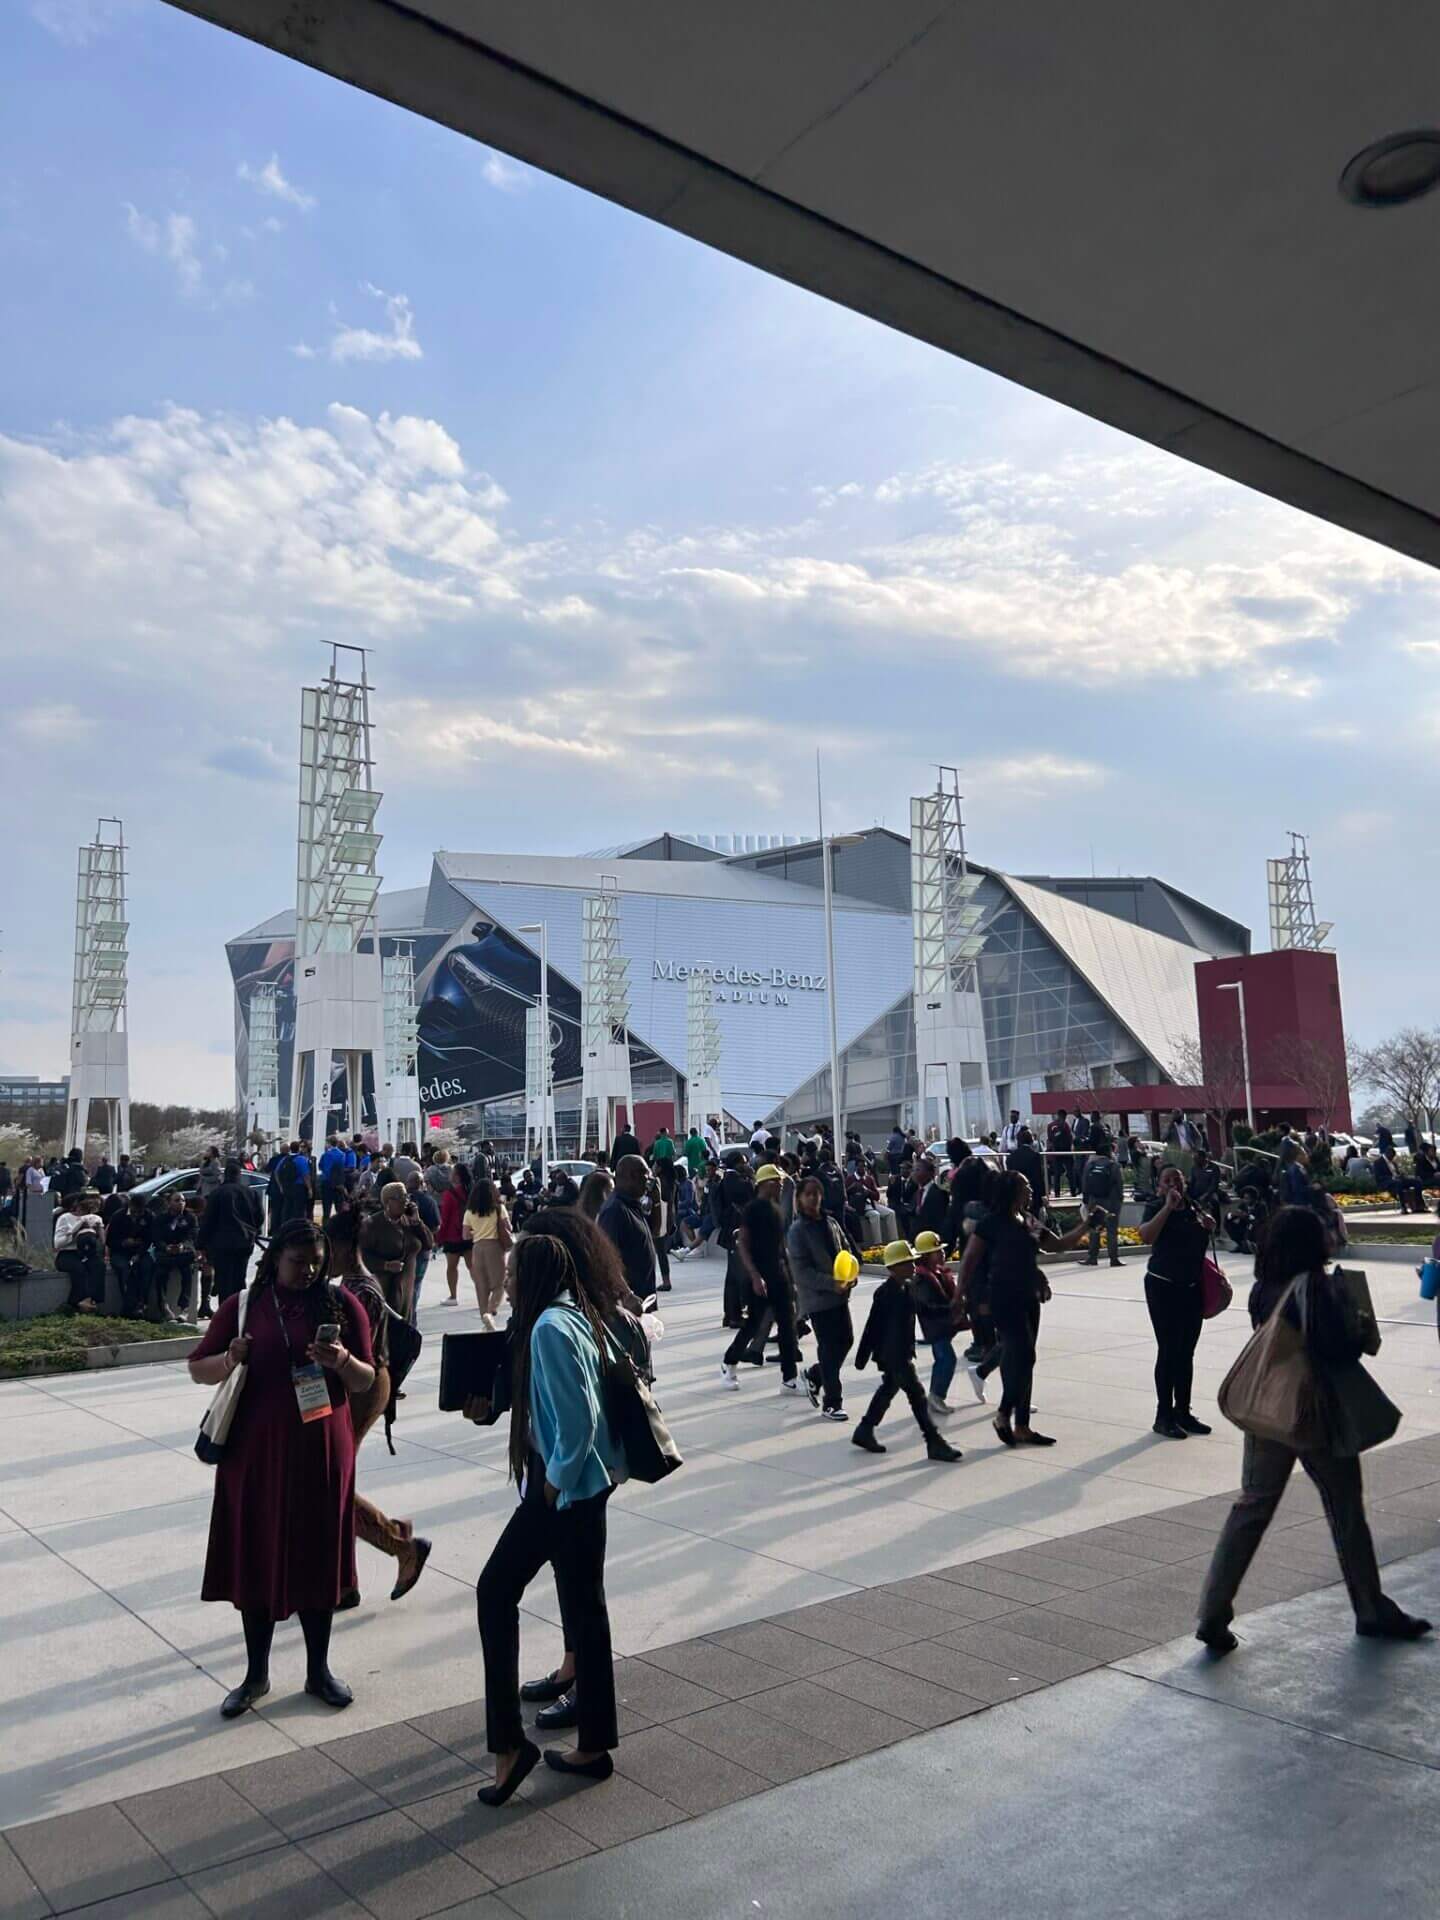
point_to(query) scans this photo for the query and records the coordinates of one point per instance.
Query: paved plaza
(822, 1636)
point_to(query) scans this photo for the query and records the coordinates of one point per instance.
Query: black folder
(469, 1363)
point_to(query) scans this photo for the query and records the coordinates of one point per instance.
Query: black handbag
(637, 1425)
(1356, 1412)
(470, 1366)
(403, 1343)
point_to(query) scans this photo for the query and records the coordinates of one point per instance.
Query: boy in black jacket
(890, 1337)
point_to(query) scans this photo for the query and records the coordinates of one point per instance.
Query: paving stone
(200, 1823)
(78, 1858)
(900, 1612)
(1069, 1575)
(1152, 1539)
(690, 1777)
(1203, 1516)
(462, 1730)
(305, 1792)
(985, 1577)
(504, 1843)
(949, 1596)
(961, 1672)
(1041, 1659)
(395, 1869)
(841, 1722)
(920, 1702)
(604, 1812)
(285, 1882)
(796, 1654)
(649, 1696)
(1420, 1503)
(1080, 1636)
(1079, 1550)
(850, 1632)
(1139, 1606)
(401, 1763)
(20, 1897)
(754, 1740)
(172, 1901)
(729, 1675)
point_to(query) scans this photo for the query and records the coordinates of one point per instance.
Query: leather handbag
(636, 1423)
(220, 1414)
(1216, 1292)
(1272, 1390)
(1359, 1414)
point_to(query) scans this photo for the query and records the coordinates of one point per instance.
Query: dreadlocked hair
(543, 1272)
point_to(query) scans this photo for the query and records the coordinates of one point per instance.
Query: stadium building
(1084, 983)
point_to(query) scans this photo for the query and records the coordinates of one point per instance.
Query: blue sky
(632, 530)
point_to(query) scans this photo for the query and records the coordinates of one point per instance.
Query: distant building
(28, 1101)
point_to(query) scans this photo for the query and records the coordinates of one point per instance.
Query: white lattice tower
(262, 1091)
(702, 1054)
(99, 1042)
(399, 1104)
(604, 1018)
(950, 1056)
(1292, 902)
(339, 991)
(539, 1090)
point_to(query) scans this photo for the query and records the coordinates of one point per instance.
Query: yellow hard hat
(769, 1172)
(928, 1242)
(846, 1269)
(897, 1252)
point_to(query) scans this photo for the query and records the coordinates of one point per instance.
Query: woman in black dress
(1178, 1236)
(1006, 1243)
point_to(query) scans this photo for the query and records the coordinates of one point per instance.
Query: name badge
(312, 1393)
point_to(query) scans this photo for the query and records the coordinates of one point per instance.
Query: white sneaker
(977, 1384)
(790, 1386)
(487, 1320)
(942, 1409)
(730, 1379)
(833, 1413)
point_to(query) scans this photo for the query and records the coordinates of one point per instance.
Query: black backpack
(1097, 1182)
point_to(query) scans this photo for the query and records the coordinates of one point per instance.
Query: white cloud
(270, 180)
(506, 175)
(1033, 776)
(53, 724)
(79, 23)
(172, 239)
(363, 343)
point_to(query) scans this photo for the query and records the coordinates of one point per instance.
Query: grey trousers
(1262, 1481)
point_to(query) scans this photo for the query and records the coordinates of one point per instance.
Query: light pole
(546, 1077)
(1238, 987)
(828, 845)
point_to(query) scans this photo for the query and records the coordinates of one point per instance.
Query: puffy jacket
(812, 1246)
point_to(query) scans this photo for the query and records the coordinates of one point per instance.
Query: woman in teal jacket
(566, 1464)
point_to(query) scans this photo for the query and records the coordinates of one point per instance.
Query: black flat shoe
(333, 1692)
(1003, 1434)
(550, 1688)
(1393, 1624)
(600, 1768)
(525, 1764)
(402, 1586)
(1220, 1640)
(1191, 1424)
(938, 1449)
(243, 1698)
(863, 1438)
(348, 1601)
(1034, 1440)
(561, 1713)
(1168, 1428)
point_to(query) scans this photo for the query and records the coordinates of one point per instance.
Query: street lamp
(1238, 987)
(546, 1077)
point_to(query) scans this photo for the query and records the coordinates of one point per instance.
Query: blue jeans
(943, 1372)
(422, 1261)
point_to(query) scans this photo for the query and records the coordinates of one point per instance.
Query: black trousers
(132, 1272)
(164, 1266)
(900, 1380)
(572, 1540)
(834, 1337)
(1175, 1314)
(737, 1287)
(779, 1301)
(86, 1273)
(1018, 1326)
(229, 1266)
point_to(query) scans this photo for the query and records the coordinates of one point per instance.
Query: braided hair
(322, 1294)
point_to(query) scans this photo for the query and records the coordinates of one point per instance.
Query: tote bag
(1272, 1391)
(636, 1422)
(215, 1427)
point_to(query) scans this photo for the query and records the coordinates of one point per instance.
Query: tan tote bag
(1272, 1390)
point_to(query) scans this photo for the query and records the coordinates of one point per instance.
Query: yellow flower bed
(1363, 1202)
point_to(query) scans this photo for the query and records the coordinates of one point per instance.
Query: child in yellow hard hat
(935, 1307)
(889, 1337)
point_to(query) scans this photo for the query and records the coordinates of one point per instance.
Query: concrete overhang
(1129, 206)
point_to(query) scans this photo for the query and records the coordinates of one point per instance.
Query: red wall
(1291, 999)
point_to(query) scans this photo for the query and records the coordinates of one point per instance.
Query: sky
(632, 531)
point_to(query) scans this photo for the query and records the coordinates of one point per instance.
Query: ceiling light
(1391, 171)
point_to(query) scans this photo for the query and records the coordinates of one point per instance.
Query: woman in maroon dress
(282, 1528)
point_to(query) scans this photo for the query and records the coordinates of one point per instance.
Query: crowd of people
(325, 1332)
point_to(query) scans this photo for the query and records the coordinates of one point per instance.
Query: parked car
(187, 1179)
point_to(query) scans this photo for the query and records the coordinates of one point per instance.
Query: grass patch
(62, 1340)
